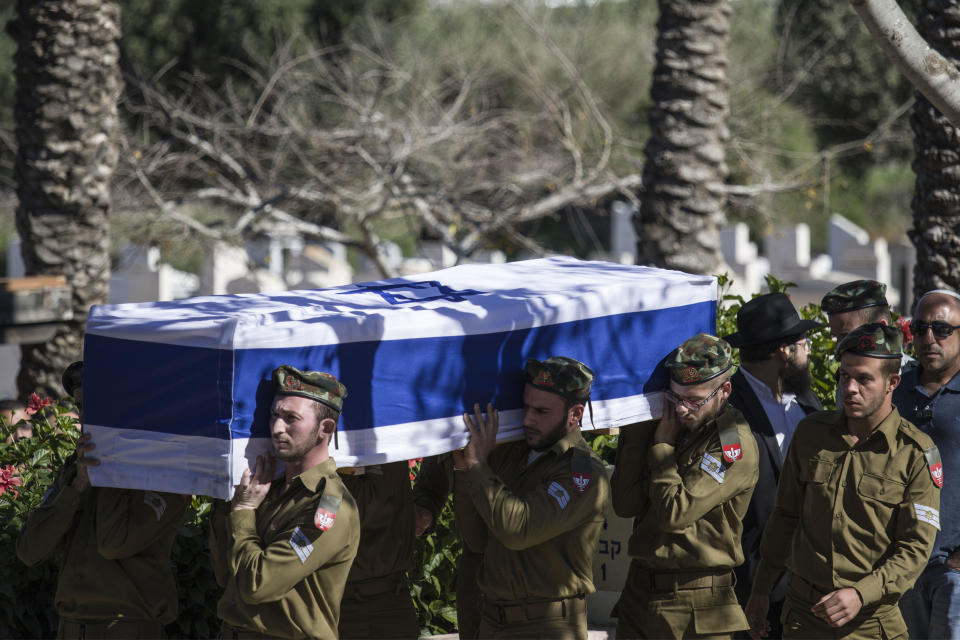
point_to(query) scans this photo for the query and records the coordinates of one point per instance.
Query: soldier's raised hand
(81, 482)
(483, 434)
(253, 487)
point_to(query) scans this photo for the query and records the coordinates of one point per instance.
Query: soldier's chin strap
(336, 440)
(590, 406)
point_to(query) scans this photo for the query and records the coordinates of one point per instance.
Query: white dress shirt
(784, 416)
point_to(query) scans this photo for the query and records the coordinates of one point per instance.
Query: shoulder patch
(927, 514)
(326, 512)
(934, 464)
(730, 442)
(156, 502)
(301, 544)
(581, 471)
(558, 493)
(713, 467)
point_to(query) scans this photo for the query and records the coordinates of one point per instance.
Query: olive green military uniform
(688, 502)
(430, 491)
(851, 514)
(115, 576)
(538, 525)
(284, 565)
(376, 602)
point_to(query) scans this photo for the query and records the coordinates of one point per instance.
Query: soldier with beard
(535, 508)
(687, 480)
(772, 390)
(282, 547)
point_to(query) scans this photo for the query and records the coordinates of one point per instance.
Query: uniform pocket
(874, 487)
(723, 618)
(817, 470)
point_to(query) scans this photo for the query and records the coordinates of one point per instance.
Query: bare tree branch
(932, 74)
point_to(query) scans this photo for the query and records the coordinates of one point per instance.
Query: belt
(518, 611)
(391, 583)
(686, 580)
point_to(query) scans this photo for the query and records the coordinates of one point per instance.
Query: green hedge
(26, 594)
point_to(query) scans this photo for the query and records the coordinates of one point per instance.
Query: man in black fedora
(772, 390)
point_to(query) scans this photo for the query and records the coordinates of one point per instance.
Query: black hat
(72, 377)
(767, 318)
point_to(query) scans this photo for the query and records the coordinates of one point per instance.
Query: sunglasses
(689, 405)
(940, 329)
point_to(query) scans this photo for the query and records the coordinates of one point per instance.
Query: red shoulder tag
(730, 443)
(934, 464)
(326, 512)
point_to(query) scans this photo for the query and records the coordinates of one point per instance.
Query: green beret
(560, 375)
(851, 296)
(72, 378)
(315, 385)
(874, 340)
(700, 358)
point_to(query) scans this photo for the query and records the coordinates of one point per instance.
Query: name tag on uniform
(713, 467)
(927, 514)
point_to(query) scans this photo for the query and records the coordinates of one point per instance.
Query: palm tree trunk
(682, 207)
(936, 143)
(68, 82)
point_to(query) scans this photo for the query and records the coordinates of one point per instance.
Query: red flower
(904, 326)
(35, 404)
(9, 478)
(413, 463)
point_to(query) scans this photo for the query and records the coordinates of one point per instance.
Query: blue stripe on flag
(175, 389)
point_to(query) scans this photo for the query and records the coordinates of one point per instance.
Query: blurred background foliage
(813, 100)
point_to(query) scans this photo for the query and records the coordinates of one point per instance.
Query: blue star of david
(393, 293)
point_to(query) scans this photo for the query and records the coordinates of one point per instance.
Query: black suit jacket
(764, 494)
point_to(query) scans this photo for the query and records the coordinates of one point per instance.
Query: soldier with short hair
(857, 506)
(687, 479)
(535, 507)
(282, 548)
(854, 304)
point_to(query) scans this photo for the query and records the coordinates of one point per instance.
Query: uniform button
(843, 484)
(839, 516)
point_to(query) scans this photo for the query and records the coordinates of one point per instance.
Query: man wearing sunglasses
(929, 397)
(687, 480)
(772, 390)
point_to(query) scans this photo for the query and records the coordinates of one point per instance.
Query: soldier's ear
(328, 426)
(575, 415)
(894, 380)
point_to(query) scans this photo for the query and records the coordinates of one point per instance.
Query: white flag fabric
(177, 394)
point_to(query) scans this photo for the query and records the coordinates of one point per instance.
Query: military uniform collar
(568, 441)
(889, 427)
(311, 477)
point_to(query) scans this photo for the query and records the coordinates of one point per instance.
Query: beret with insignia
(874, 340)
(700, 358)
(851, 296)
(560, 375)
(315, 385)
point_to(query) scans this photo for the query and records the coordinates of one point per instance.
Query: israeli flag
(177, 394)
